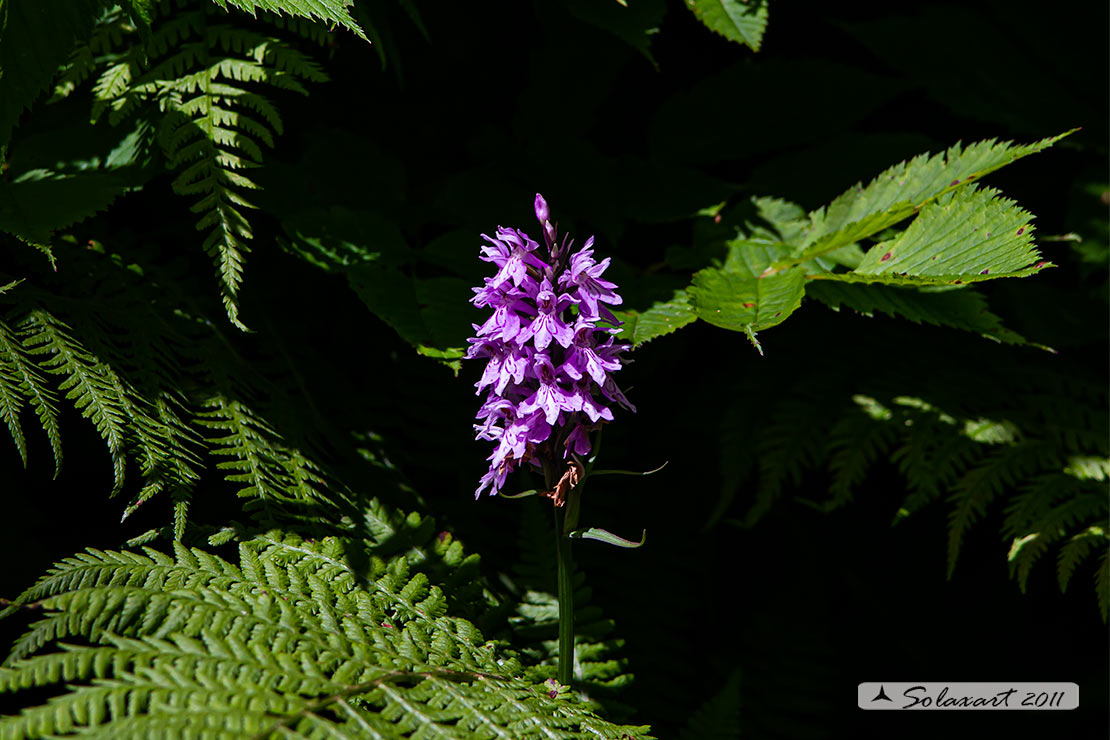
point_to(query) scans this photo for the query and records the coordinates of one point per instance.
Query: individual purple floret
(548, 376)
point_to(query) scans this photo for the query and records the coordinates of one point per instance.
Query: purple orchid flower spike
(549, 370)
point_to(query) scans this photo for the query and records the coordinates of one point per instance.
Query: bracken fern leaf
(289, 642)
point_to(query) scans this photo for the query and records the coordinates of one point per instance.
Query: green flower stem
(565, 575)
(565, 564)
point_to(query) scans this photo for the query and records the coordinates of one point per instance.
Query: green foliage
(742, 21)
(960, 234)
(290, 639)
(205, 84)
(904, 189)
(738, 296)
(292, 580)
(36, 344)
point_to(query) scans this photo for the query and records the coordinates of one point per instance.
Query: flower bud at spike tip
(543, 215)
(548, 380)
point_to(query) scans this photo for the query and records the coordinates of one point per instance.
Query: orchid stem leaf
(601, 535)
(629, 472)
(522, 494)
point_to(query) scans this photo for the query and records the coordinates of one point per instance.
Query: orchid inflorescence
(549, 375)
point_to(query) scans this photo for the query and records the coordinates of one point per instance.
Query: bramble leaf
(742, 21)
(973, 234)
(739, 296)
(664, 317)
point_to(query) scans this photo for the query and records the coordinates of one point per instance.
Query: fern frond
(978, 487)
(331, 11)
(204, 78)
(106, 35)
(1038, 448)
(932, 457)
(788, 446)
(855, 443)
(124, 419)
(1052, 508)
(256, 457)
(89, 384)
(290, 640)
(21, 380)
(130, 361)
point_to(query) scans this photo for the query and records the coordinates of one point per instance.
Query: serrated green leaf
(742, 21)
(740, 295)
(922, 280)
(331, 11)
(900, 190)
(664, 317)
(969, 234)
